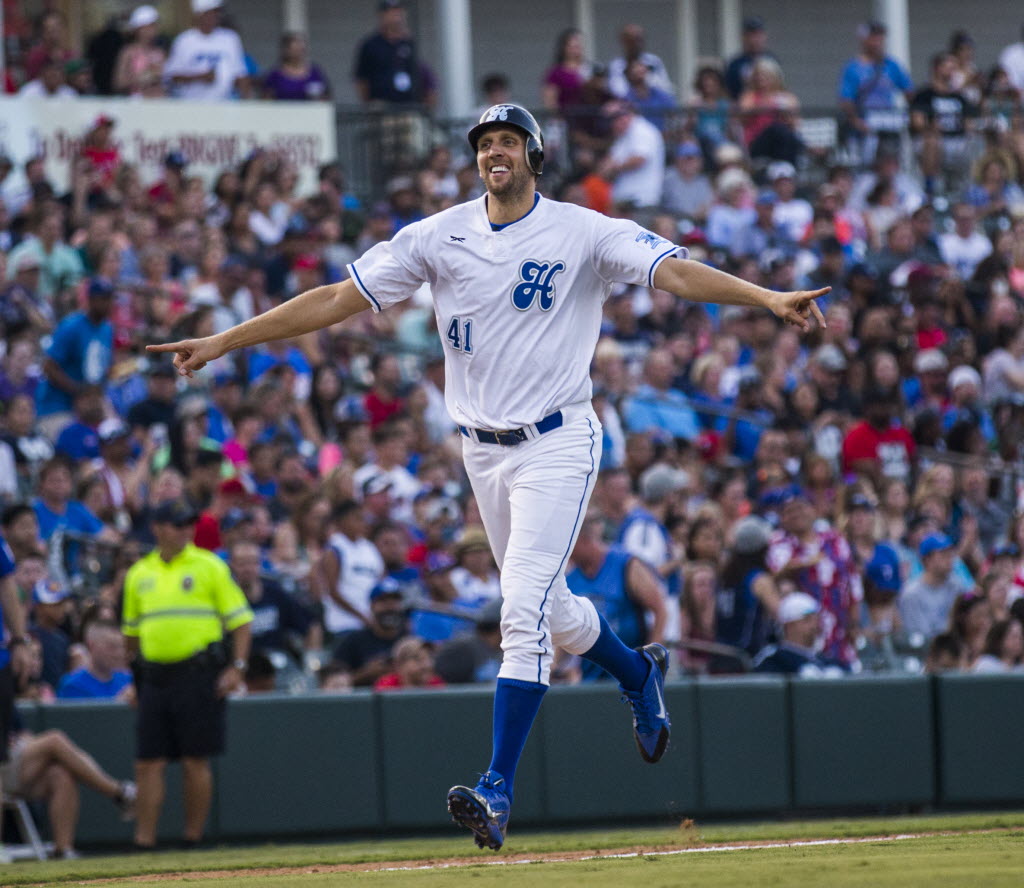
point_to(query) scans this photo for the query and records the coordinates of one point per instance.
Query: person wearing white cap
(207, 62)
(796, 654)
(792, 214)
(140, 63)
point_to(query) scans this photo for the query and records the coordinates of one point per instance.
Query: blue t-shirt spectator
(84, 351)
(76, 517)
(83, 685)
(874, 88)
(669, 410)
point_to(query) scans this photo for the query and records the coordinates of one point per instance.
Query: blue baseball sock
(628, 666)
(516, 704)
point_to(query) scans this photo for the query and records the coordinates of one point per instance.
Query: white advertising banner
(211, 135)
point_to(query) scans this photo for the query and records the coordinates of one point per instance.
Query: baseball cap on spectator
(790, 494)
(749, 377)
(884, 569)
(386, 586)
(438, 562)
(688, 149)
(103, 120)
(781, 169)
(234, 487)
(598, 70)
(201, 6)
(872, 27)
(731, 179)
(380, 210)
(193, 405)
(1005, 550)
(112, 429)
(489, 616)
(176, 159)
(376, 483)
(401, 183)
(162, 367)
(934, 542)
(752, 535)
(767, 198)
(142, 16)
(306, 262)
(931, 360)
(727, 153)
(385, 5)
(473, 539)
(49, 592)
(796, 606)
(660, 480)
(753, 23)
(178, 512)
(830, 357)
(964, 375)
(100, 289)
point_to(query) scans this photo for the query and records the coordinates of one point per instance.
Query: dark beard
(519, 184)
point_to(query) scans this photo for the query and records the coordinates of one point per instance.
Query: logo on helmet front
(499, 112)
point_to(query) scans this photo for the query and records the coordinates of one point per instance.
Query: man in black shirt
(366, 653)
(938, 119)
(387, 68)
(158, 405)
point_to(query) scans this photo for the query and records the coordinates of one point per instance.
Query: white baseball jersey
(194, 52)
(518, 309)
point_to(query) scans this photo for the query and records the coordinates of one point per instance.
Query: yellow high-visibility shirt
(178, 608)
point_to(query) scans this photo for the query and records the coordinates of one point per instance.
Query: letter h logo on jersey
(536, 283)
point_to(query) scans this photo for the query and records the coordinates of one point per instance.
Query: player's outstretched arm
(697, 282)
(313, 310)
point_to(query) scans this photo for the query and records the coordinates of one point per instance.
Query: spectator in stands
(54, 507)
(738, 71)
(879, 446)
(791, 213)
(51, 603)
(945, 654)
(926, 599)
(22, 307)
(939, 118)
(747, 600)
(49, 767)
(869, 92)
(349, 570)
(624, 588)
(388, 68)
(1003, 368)
(413, 661)
(79, 440)
(206, 62)
(768, 111)
(656, 404)
(1004, 648)
(366, 652)
(562, 89)
(797, 653)
(731, 214)
(296, 78)
(61, 265)
(632, 38)
(635, 163)
(476, 656)
(964, 247)
(686, 191)
(474, 577)
(1011, 60)
(140, 63)
(51, 45)
(820, 563)
(280, 623)
(105, 675)
(653, 103)
(970, 619)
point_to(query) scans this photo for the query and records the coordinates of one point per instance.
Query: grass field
(972, 851)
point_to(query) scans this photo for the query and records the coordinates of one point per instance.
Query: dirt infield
(517, 859)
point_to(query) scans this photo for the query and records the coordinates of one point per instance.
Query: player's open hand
(190, 355)
(796, 308)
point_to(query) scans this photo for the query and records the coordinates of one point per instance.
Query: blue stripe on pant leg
(561, 566)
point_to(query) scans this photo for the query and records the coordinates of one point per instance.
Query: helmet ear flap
(534, 155)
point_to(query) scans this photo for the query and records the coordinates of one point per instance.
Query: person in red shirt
(382, 401)
(99, 149)
(413, 661)
(879, 446)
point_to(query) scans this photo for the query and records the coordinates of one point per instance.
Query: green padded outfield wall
(981, 738)
(330, 765)
(862, 741)
(744, 744)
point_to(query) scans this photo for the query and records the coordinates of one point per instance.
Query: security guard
(179, 600)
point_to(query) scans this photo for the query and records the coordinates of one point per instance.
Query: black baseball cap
(178, 512)
(753, 23)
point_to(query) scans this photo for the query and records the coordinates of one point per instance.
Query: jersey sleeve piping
(658, 261)
(374, 304)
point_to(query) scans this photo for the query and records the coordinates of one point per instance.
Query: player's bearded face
(501, 159)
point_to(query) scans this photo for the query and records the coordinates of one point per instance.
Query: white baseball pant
(532, 499)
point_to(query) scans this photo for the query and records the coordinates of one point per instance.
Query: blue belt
(512, 437)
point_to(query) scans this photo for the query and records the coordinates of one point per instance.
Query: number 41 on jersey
(460, 335)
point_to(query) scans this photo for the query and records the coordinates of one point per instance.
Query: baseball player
(518, 284)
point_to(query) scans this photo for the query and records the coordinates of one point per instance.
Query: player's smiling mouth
(500, 168)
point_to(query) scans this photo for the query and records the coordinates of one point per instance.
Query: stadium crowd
(843, 501)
